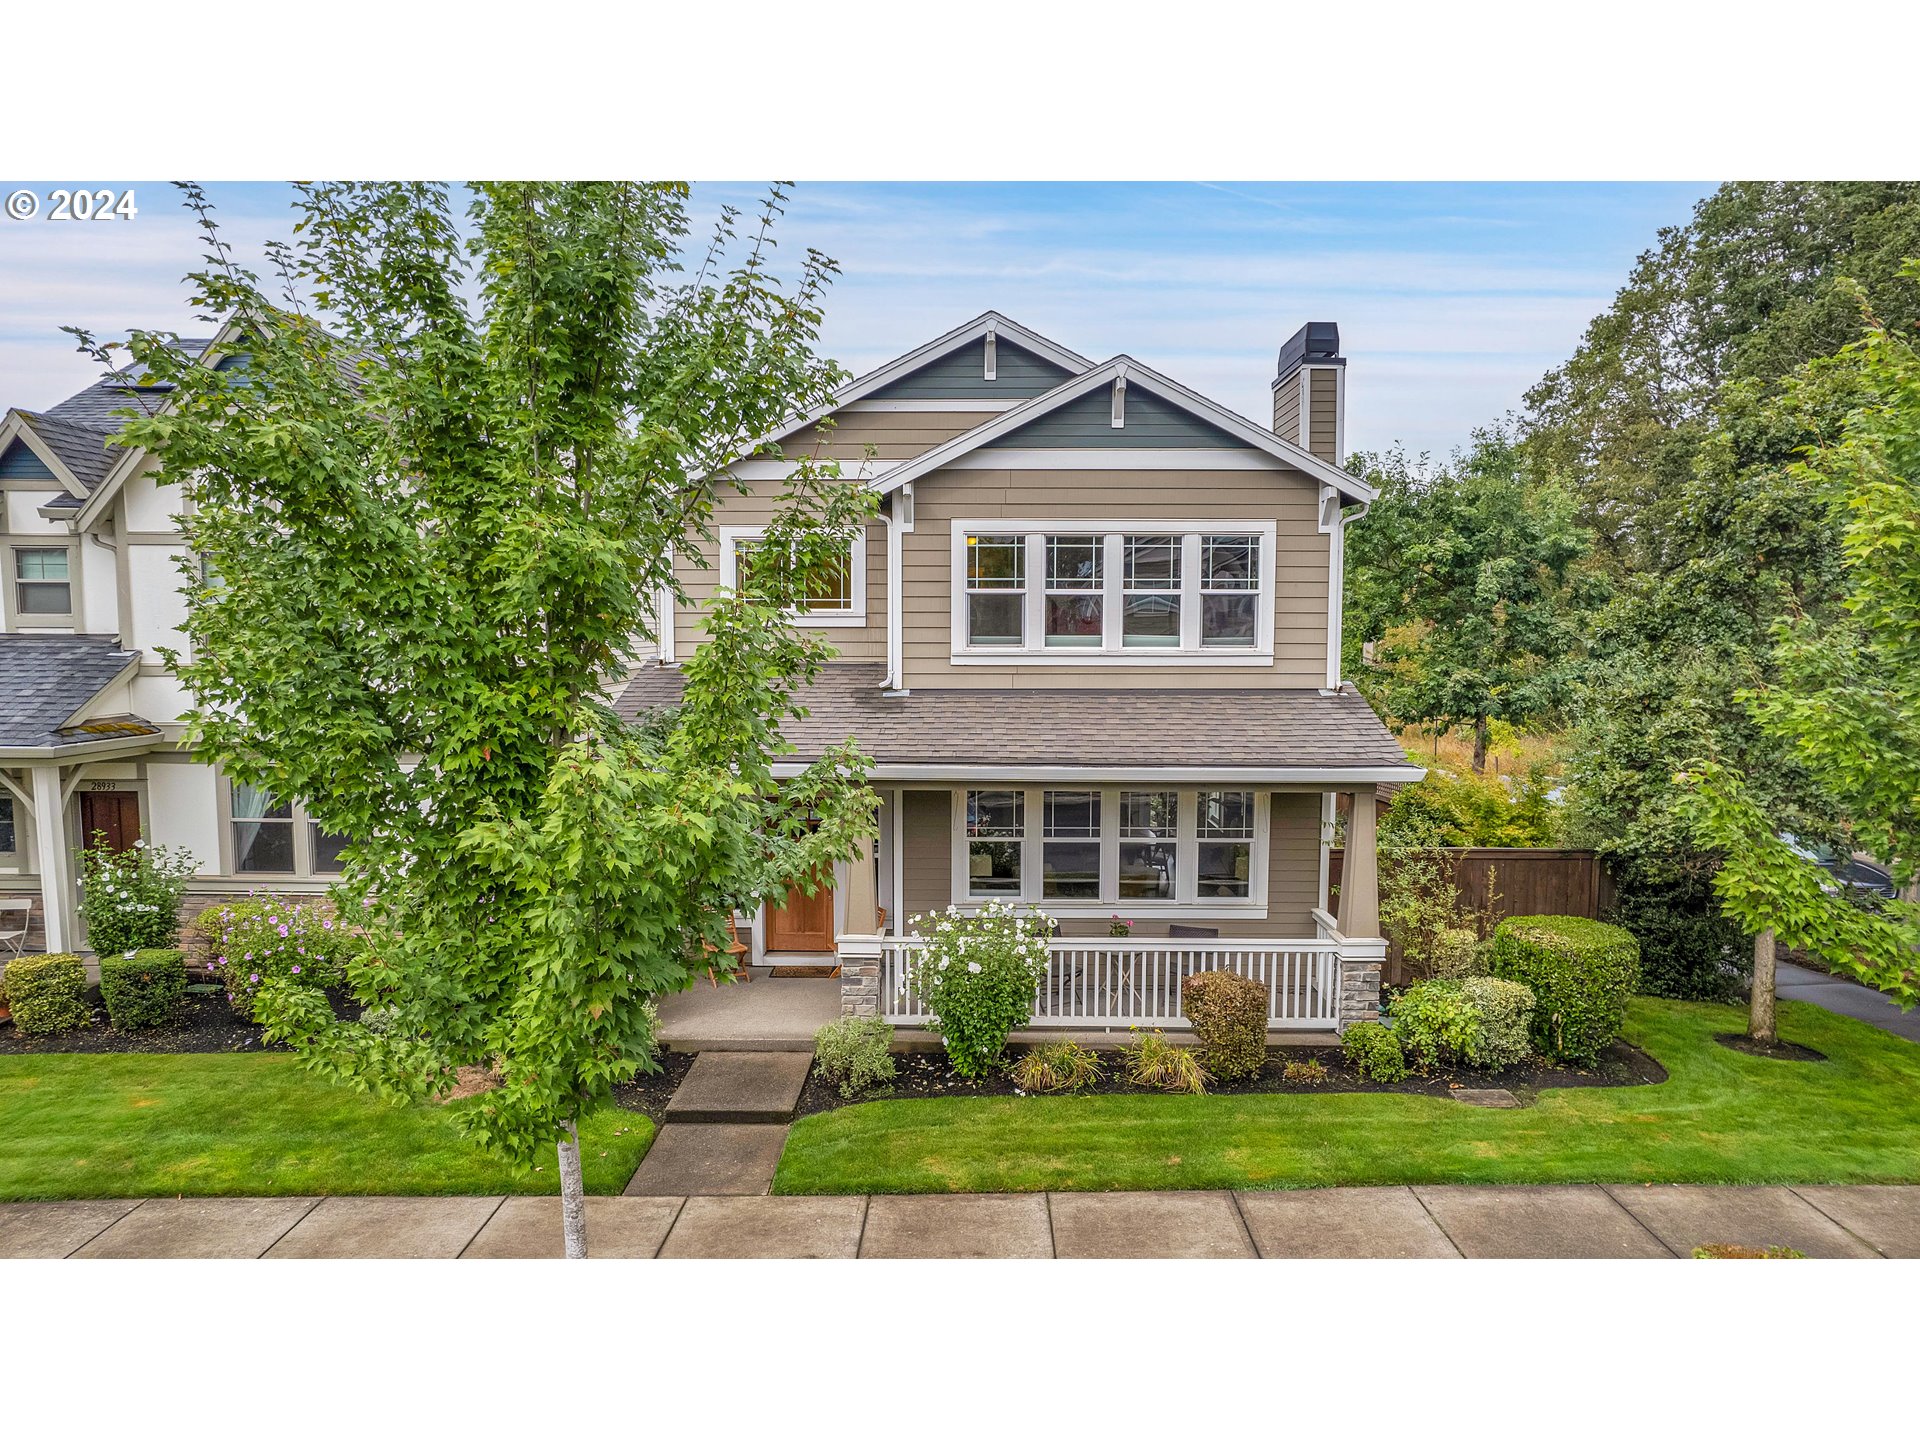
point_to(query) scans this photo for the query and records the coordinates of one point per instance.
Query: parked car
(1856, 872)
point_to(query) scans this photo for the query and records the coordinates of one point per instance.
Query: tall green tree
(1468, 587)
(1845, 700)
(434, 505)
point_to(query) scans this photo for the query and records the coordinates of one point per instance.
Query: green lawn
(73, 1126)
(1720, 1117)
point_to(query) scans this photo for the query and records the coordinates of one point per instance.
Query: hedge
(47, 993)
(1581, 973)
(143, 987)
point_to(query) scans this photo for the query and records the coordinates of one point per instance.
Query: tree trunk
(1480, 728)
(573, 1195)
(1760, 1013)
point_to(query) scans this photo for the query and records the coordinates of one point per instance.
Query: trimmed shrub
(1581, 973)
(1435, 1023)
(1455, 954)
(978, 974)
(1056, 1069)
(1156, 1063)
(1229, 1017)
(1374, 1052)
(143, 988)
(1504, 1009)
(854, 1053)
(275, 938)
(48, 993)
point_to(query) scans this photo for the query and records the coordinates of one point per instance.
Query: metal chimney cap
(1315, 343)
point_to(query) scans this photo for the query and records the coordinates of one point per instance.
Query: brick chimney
(1310, 392)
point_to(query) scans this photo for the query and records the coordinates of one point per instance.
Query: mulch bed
(1778, 1050)
(923, 1074)
(650, 1093)
(207, 1026)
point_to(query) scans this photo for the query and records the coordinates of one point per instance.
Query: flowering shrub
(132, 899)
(978, 974)
(278, 937)
(1120, 929)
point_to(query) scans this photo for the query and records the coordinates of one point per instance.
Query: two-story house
(1091, 644)
(90, 582)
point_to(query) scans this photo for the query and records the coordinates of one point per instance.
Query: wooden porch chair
(736, 948)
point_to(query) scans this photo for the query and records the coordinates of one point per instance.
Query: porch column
(858, 946)
(1363, 952)
(56, 862)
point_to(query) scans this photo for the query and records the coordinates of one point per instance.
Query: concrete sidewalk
(1440, 1222)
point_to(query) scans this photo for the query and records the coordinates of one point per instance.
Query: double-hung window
(1129, 592)
(42, 581)
(996, 590)
(996, 822)
(1163, 850)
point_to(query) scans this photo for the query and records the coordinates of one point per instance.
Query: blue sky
(1451, 298)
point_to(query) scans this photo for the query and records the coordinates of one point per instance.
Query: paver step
(741, 1087)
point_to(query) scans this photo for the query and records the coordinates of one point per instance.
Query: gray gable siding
(20, 463)
(1087, 424)
(1019, 375)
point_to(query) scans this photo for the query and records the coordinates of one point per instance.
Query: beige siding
(1300, 579)
(701, 576)
(1325, 415)
(1286, 409)
(1293, 868)
(926, 879)
(894, 435)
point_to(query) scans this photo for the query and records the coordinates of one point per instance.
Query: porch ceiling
(1236, 730)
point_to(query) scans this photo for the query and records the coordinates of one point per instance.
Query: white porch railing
(1117, 983)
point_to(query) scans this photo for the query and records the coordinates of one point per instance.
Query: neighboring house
(89, 732)
(1091, 644)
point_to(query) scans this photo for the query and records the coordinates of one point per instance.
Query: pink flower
(296, 969)
(253, 979)
(283, 929)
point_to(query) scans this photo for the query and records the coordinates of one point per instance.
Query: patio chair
(16, 919)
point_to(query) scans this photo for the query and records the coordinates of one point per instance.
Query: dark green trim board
(1018, 375)
(21, 463)
(1087, 424)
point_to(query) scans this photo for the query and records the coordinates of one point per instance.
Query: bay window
(1163, 850)
(1125, 592)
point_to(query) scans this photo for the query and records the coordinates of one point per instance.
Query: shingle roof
(45, 679)
(82, 448)
(1247, 728)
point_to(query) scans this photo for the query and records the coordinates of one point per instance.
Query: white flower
(973, 967)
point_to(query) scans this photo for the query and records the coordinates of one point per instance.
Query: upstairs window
(840, 597)
(1038, 593)
(996, 589)
(42, 581)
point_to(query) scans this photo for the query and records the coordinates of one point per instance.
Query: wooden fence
(1515, 882)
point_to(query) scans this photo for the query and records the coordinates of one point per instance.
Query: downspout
(899, 524)
(1337, 586)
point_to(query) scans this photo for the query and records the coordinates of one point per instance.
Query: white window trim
(1111, 651)
(302, 835)
(730, 535)
(18, 619)
(1187, 903)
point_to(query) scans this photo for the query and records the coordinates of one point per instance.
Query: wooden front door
(804, 923)
(114, 813)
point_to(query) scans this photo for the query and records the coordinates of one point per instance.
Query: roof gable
(960, 374)
(18, 462)
(1087, 424)
(1097, 384)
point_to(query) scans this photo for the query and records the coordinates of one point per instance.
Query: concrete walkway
(1440, 1222)
(1845, 997)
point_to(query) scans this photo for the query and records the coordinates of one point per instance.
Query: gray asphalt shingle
(44, 679)
(1235, 728)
